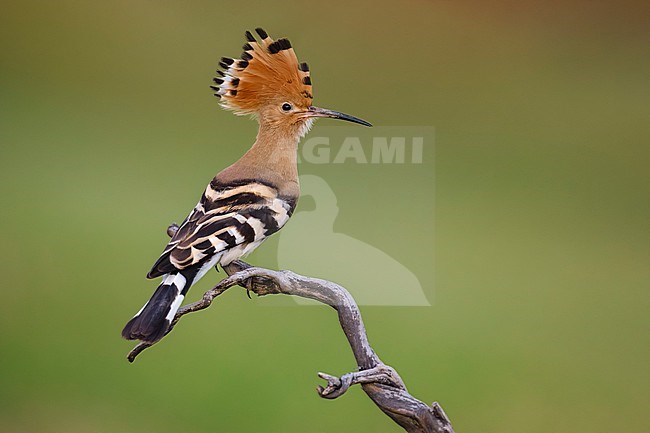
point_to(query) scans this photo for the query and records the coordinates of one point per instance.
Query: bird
(372, 276)
(251, 199)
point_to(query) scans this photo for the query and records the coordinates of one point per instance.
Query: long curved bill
(324, 112)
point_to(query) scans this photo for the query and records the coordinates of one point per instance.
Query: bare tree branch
(379, 381)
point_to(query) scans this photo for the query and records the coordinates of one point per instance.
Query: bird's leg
(247, 284)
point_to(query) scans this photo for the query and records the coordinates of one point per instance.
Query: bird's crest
(267, 72)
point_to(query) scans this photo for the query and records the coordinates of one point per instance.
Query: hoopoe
(254, 197)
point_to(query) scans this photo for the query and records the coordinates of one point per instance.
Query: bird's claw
(258, 285)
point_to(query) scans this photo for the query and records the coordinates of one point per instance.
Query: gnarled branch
(379, 381)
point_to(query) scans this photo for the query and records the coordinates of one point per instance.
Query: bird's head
(269, 83)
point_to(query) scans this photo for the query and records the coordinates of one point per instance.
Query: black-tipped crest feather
(250, 80)
(279, 45)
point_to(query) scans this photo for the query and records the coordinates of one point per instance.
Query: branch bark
(379, 381)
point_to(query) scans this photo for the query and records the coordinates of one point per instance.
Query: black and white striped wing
(230, 220)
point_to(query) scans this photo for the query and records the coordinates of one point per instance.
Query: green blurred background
(540, 307)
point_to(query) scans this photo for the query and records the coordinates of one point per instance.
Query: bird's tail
(153, 320)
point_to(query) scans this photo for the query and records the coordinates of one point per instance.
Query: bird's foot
(259, 285)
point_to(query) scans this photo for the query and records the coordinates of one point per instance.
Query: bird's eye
(286, 107)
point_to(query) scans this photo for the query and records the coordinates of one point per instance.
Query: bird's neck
(274, 149)
(272, 158)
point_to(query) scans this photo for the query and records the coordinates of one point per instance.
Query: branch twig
(379, 381)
